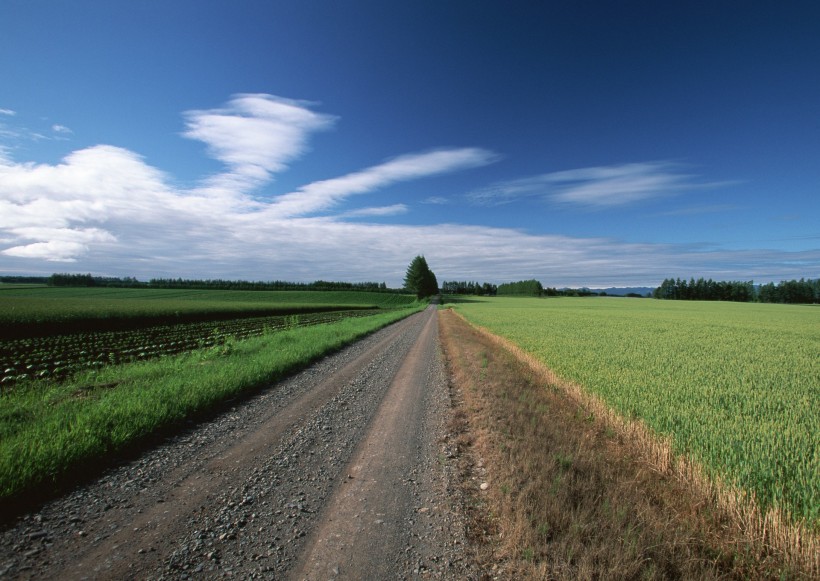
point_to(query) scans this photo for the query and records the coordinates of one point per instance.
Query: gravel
(240, 495)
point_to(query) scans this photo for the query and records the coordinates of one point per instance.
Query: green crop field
(735, 386)
(50, 333)
(55, 357)
(37, 311)
(86, 372)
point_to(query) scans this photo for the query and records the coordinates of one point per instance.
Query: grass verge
(568, 496)
(48, 431)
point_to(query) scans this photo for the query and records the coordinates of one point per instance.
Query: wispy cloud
(436, 200)
(619, 185)
(394, 210)
(321, 195)
(595, 187)
(12, 132)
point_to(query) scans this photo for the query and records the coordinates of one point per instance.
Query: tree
(420, 279)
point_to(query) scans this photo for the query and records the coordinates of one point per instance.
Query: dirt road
(342, 471)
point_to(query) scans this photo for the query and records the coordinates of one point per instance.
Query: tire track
(363, 529)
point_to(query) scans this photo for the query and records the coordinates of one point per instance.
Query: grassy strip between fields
(556, 492)
(48, 430)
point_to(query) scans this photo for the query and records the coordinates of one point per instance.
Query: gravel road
(344, 470)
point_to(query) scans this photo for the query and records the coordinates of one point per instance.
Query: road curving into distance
(341, 471)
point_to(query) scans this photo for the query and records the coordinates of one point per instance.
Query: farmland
(78, 395)
(735, 387)
(54, 332)
(57, 356)
(40, 311)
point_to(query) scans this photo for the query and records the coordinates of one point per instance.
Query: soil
(345, 470)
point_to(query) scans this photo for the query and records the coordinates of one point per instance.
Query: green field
(37, 311)
(735, 386)
(50, 333)
(53, 423)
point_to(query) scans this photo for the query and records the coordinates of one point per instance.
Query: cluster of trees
(705, 290)
(468, 288)
(530, 288)
(787, 291)
(419, 279)
(790, 291)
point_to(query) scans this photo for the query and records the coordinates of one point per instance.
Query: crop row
(56, 357)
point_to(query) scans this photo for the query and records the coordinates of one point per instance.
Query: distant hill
(623, 291)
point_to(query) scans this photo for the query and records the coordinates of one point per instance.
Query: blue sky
(579, 143)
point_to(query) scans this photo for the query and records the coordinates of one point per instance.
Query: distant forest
(803, 291)
(87, 280)
(522, 288)
(788, 291)
(468, 288)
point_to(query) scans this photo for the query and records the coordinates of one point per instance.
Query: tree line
(528, 288)
(319, 285)
(422, 281)
(468, 288)
(522, 288)
(533, 288)
(15, 279)
(787, 291)
(705, 290)
(87, 280)
(790, 291)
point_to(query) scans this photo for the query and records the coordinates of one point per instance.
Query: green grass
(46, 429)
(735, 386)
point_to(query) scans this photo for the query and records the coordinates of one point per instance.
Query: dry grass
(572, 495)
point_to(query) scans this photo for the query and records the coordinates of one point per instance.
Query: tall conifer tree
(420, 279)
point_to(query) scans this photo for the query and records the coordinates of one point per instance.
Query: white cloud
(594, 187)
(105, 197)
(57, 128)
(324, 194)
(61, 212)
(63, 244)
(436, 200)
(8, 112)
(255, 136)
(108, 211)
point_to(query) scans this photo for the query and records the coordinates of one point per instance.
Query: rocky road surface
(344, 471)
